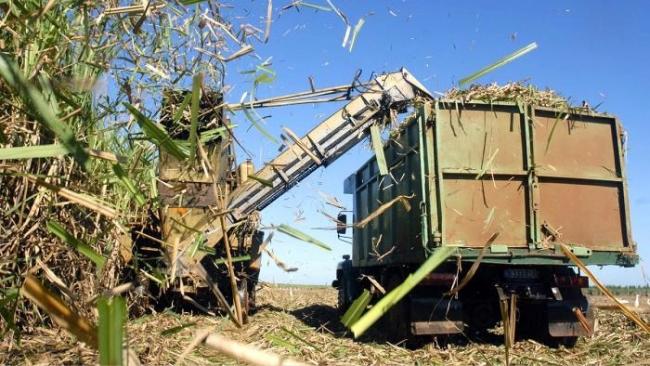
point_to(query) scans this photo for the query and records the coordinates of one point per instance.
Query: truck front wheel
(342, 303)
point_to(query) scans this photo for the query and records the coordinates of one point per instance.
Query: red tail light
(439, 279)
(572, 281)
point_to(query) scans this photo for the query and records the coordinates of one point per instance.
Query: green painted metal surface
(396, 227)
(522, 256)
(498, 248)
(577, 250)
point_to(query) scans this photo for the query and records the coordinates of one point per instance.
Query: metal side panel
(398, 230)
(582, 196)
(482, 160)
(481, 140)
(575, 146)
(587, 214)
(477, 209)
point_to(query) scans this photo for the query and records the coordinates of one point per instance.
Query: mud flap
(436, 316)
(563, 322)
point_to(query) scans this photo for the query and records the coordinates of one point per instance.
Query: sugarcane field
(324, 182)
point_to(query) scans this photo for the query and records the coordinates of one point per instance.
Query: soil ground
(302, 323)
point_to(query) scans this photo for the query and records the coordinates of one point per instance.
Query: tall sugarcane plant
(79, 84)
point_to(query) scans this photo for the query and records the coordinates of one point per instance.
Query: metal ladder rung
(302, 146)
(317, 147)
(281, 173)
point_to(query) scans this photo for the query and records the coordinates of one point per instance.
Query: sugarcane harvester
(203, 199)
(484, 203)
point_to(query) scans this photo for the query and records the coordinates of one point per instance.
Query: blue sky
(588, 50)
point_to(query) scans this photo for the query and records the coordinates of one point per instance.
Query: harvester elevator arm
(327, 141)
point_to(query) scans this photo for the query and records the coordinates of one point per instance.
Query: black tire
(480, 317)
(445, 340)
(569, 342)
(397, 321)
(530, 325)
(566, 342)
(342, 303)
(555, 342)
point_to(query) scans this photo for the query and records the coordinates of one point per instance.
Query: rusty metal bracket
(534, 181)
(280, 172)
(551, 231)
(296, 140)
(435, 327)
(319, 149)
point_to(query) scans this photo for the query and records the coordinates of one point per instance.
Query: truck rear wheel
(566, 342)
(397, 321)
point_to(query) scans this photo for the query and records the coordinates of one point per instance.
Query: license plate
(521, 274)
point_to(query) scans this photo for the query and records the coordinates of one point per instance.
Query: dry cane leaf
(404, 200)
(60, 312)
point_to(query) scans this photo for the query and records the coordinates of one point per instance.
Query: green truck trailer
(504, 184)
